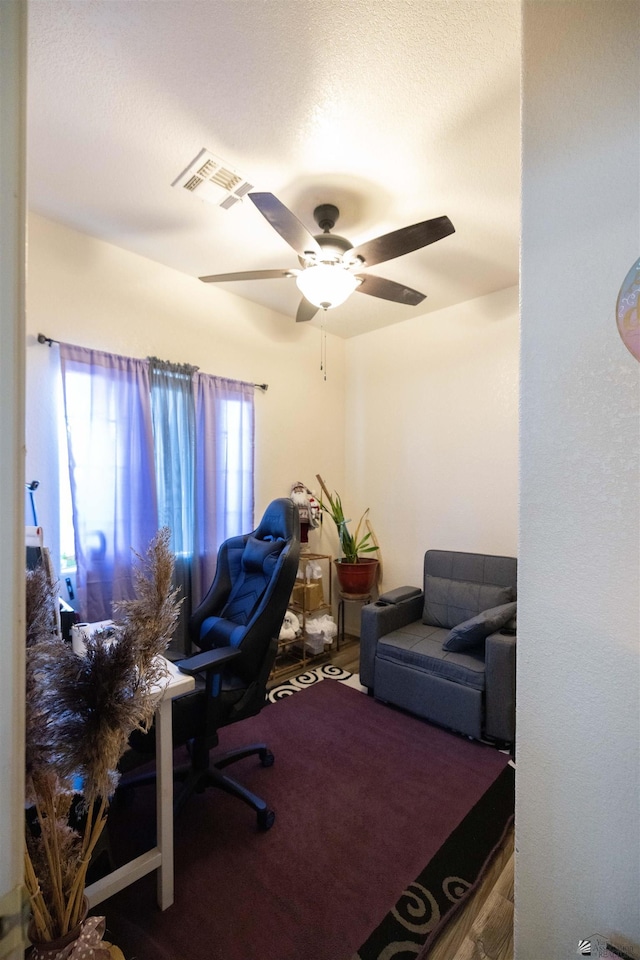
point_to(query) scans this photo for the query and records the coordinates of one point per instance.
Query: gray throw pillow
(473, 632)
(449, 602)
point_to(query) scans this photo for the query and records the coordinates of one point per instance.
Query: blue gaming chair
(236, 628)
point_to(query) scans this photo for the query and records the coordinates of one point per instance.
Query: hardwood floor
(483, 929)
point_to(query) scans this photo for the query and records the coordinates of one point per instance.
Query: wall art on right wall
(627, 316)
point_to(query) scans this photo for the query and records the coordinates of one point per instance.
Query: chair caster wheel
(267, 759)
(266, 819)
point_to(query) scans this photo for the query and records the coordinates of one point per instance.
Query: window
(173, 418)
(147, 444)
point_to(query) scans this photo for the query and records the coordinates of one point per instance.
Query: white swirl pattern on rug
(327, 671)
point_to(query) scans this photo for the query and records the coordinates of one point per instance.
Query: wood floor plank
(475, 930)
(491, 933)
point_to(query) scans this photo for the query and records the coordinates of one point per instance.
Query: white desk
(160, 857)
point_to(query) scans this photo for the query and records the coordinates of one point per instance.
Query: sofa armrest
(399, 595)
(378, 619)
(500, 687)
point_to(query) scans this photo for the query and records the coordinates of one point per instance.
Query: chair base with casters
(197, 780)
(204, 771)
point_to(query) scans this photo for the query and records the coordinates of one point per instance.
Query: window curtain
(173, 417)
(225, 440)
(151, 444)
(111, 469)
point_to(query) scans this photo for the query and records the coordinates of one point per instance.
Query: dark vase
(356, 579)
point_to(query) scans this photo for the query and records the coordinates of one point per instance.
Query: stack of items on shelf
(307, 592)
(308, 626)
(318, 628)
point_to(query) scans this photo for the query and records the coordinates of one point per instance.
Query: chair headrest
(280, 521)
(258, 553)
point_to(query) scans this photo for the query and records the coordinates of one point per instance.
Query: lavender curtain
(225, 437)
(152, 443)
(111, 467)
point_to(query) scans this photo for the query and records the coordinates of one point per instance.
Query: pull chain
(323, 351)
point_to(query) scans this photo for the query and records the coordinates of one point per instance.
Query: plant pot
(356, 579)
(49, 948)
(64, 948)
(52, 949)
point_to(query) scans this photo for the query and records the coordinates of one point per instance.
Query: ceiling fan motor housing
(333, 248)
(326, 216)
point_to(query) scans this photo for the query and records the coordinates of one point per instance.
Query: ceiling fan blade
(402, 241)
(248, 275)
(285, 223)
(306, 311)
(389, 290)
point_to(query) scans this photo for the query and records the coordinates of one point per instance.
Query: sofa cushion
(419, 646)
(449, 602)
(472, 633)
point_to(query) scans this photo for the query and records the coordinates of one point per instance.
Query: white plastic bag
(322, 626)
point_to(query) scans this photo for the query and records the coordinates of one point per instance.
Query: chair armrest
(500, 687)
(208, 661)
(378, 619)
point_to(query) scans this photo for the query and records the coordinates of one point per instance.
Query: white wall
(13, 58)
(578, 762)
(88, 292)
(432, 433)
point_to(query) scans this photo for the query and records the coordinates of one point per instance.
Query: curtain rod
(50, 340)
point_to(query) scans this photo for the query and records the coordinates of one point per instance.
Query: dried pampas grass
(80, 714)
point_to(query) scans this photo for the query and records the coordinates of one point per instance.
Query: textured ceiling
(394, 110)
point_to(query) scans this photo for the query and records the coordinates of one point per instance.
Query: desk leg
(164, 802)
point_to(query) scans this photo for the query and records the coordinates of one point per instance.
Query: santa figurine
(308, 509)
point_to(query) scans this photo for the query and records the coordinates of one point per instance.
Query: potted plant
(80, 712)
(356, 574)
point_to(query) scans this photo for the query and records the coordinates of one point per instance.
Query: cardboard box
(308, 596)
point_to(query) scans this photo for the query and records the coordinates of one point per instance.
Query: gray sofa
(448, 652)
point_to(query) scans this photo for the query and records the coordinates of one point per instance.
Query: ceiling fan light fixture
(326, 285)
(329, 261)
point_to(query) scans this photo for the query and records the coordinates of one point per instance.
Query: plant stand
(364, 599)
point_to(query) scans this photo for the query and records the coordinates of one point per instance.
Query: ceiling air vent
(211, 179)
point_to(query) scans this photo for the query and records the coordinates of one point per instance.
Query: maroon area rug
(383, 822)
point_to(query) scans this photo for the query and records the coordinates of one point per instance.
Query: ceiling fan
(330, 265)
